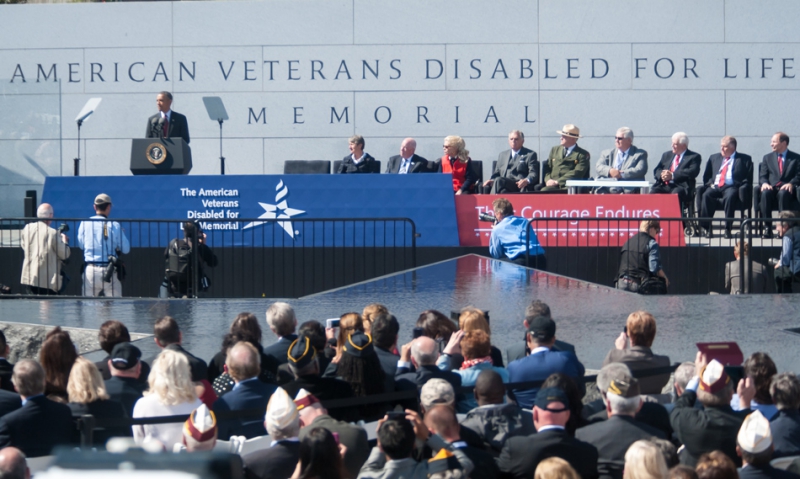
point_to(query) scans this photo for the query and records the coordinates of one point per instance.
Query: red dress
(458, 169)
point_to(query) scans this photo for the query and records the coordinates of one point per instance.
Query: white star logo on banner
(280, 210)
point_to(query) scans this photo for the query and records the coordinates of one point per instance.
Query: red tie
(675, 163)
(166, 126)
(780, 163)
(724, 172)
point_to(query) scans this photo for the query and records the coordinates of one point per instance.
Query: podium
(156, 156)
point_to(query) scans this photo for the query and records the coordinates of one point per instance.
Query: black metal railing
(277, 257)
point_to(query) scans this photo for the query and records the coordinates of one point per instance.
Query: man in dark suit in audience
(421, 355)
(167, 123)
(110, 334)
(677, 170)
(6, 368)
(407, 161)
(442, 420)
(613, 436)
(283, 425)
(778, 179)
(125, 367)
(283, 323)
(9, 402)
(384, 336)
(517, 168)
(521, 454)
(785, 427)
(168, 336)
(725, 173)
(40, 424)
(244, 366)
(633, 349)
(313, 414)
(521, 349)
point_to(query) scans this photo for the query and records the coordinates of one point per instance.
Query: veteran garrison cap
(627, 388)
(359, 345)
(301, 352)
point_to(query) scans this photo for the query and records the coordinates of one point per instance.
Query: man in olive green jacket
(565, 162)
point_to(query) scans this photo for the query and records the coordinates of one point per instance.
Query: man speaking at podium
(167, 123)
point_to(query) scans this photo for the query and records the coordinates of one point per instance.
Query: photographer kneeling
(640, 262)
(509, 234)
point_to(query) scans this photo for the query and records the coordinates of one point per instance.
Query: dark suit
(198, 366)
(37, 427)
(6, 370)
(389, 366)
(683, 178)
(280, 350)
(364, 166)
(538, 367)
(325, 389)
(102, 366)
(125, 391)
(103, 409)
(178, 127)
(704, 430)
(520, 350)
(769, 173)
(612, 439)
(9, 402)
(352, 436)
(785, 429)
(507, 172)
(276, 462)
(765, 472)
(642, 357)
(521, 455)
(251, 394)
(425, 373)
(418, 164)
(710, 197)
(653, 414)
(484, 464)
(733, 278)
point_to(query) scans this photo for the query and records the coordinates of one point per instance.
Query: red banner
(576, 229)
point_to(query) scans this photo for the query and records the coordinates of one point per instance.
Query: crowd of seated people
(454, 408)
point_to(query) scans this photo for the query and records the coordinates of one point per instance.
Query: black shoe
(767, 234)
(728, 234)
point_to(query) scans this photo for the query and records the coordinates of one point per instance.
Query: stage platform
(588, 315)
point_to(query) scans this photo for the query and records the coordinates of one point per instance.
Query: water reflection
(588, 315)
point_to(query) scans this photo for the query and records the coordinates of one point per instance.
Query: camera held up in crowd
(63, 228)
(487, 217)
(112, 266)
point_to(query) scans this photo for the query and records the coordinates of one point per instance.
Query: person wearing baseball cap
(521, 454)
(716, 425)
(125, 367)
(100, 240)
(568, 161)
(542, 362)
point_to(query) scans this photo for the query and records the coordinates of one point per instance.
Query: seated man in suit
(407, 161)
(13, 464)
(313, 414)
(168, 336)
(111, 333)
(785, 393)
(40, 424)
(494, 420)
(677, 170)
(421, 354)
(357, 161)
(714, 427)
(384, 336)
(283, 425)
(283, 323)
(754, 446)
(521, 454)
(755, 281)
(542, 362)
(516, 170)
(778, 179)
(244, 366)
(167, 123)
(624, 162)
(726, 172)
(442, 420)
(613, 436)
(640, 331)
(567, 161)
(520, 350)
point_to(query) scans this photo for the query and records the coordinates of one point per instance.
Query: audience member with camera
(102, 242)
(45, 250)
(513, 238)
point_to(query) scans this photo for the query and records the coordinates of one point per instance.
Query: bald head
(13, 464)
(424, 351)
(408, 147)
(442, 420)
(44, 211)
(243, 361)
(489, 388)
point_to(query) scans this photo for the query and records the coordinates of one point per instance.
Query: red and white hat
(305, 399)
(201, 425)
(713, 377)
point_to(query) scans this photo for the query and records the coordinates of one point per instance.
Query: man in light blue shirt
(787, 270)
(509, 235)
(99, 240)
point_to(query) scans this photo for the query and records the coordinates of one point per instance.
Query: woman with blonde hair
(457, 162)
(349, 323)
(644, 460)
(555, 468)
(87, 395)
(371, 311)
(171, 393)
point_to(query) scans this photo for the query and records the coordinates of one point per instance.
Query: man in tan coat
(44, 250)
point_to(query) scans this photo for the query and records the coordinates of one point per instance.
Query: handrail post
(86, 424)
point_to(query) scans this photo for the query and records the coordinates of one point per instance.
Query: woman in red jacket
(456, 161)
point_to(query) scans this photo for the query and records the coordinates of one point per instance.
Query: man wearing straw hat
(565, 162)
